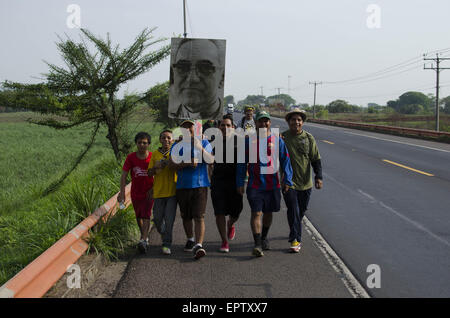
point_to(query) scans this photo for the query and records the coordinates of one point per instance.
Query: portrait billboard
(197, 76)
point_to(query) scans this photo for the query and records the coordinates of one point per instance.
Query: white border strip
(352, 284)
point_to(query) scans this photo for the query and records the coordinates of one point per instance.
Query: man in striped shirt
(263, 187)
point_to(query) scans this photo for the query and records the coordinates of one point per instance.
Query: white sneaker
(142, 246)
(198, 251)
(295, 246)
(166, 251)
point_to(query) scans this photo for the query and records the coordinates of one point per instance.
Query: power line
(438, 69)
(298, 87)
(393, 68)
(387, 70)
(380, 76)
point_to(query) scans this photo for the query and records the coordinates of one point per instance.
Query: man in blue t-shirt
(192, 186)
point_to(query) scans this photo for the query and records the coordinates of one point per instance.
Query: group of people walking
(161, 181)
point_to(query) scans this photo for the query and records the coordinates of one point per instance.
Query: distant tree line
(407, 103)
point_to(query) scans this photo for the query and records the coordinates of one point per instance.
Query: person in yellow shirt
(164, 190)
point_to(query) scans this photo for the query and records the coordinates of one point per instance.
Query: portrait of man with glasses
(197, 75)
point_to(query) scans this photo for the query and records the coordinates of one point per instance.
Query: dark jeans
(297, 204)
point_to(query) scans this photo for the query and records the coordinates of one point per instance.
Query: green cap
(187, 121)
(262, 114)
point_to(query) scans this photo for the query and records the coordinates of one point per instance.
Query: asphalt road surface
(236, 274)
(385, 201)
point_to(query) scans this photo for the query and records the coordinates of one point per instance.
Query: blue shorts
(264, 200)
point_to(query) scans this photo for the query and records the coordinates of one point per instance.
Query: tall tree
(288, 100)
(228, 100)
(158, 100)
(253, 100)
(85, 90)
(445, 104)
(415, 98)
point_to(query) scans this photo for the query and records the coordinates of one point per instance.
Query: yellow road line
(409, 168)
(328, 142)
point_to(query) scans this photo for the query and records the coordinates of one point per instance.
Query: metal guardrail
(41, 274)
(402, 130)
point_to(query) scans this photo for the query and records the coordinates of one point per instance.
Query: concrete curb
(349, 280)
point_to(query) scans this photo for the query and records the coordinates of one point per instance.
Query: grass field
(32, 157)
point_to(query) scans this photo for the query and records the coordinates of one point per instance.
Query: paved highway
(385, 201)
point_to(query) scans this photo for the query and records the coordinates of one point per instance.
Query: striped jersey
(263, 174)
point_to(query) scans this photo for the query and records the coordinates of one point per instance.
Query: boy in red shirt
(141, 186)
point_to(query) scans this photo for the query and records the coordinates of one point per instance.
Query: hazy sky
(267, 41)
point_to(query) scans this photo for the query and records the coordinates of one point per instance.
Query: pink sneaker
(231, 233)
(224, 248)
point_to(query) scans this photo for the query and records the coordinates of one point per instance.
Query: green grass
(34, 156)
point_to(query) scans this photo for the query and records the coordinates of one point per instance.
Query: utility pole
(278, 88)
(184, 17)
(314, 105)
(289, 84)
(262, 94)
(437, 59)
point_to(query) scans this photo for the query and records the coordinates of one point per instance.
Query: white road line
(399, 142)
(306, 124)
(416, 224)
(339, 183)
(405, 218)
(349, 280)
(371, 198)
(384, 139)
(319, 126)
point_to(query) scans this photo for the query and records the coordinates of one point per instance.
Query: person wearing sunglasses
(197, 79)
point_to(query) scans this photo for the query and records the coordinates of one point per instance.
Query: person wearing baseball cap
(248, 122)
(303, 153)
(262, 114)
(187, 121)
(263, 187)
(192, 186)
